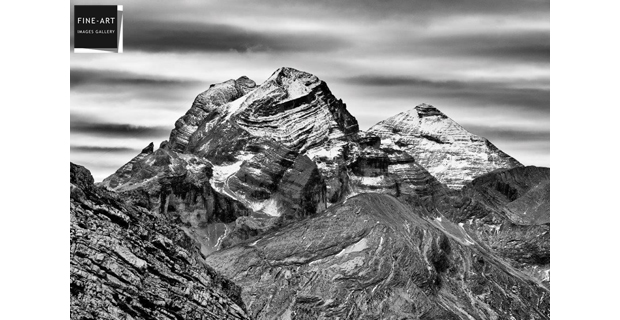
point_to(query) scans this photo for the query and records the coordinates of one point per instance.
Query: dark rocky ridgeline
(371, 257)
(128, 263)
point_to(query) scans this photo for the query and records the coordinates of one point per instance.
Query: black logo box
(95, 27)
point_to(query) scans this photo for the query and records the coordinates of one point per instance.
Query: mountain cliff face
(444, 148)
(313, 218)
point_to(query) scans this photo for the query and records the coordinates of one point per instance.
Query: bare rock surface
(127, 263)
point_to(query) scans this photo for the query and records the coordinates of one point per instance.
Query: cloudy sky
(485, 63)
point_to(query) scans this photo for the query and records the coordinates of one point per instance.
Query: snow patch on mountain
(235, 105)
(356, 247)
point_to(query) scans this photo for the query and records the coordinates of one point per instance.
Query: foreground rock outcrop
(128, 263)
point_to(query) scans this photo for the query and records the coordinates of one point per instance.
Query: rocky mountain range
(268, 202)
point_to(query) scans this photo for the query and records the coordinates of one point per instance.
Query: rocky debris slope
(127, 263)
(520, 199)
(522, 193)
(506, 211)
(372, 257)
(440, 145)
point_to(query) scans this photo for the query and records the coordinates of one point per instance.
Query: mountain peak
(426, 110)
(295, 82)
(288, 72)
(442, 146)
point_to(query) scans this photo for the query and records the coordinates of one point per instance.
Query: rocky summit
(268, 202)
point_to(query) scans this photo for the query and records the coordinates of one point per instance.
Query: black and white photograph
(310, 160)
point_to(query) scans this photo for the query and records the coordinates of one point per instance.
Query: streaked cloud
(81, 77)
(82, 125)
(479, 93)
(509, 134)
(186, 37)
(97, 149)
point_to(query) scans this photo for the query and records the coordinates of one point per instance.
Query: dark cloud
(381, 80)
(429, 9)
(112, 78)
(184, 37)
(523, 46)
(119, 130)
(83, 125)
(118, 87)
(480, 93)
(96, 149)
(509, 134)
